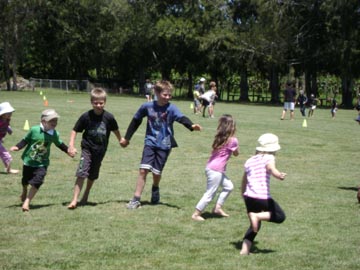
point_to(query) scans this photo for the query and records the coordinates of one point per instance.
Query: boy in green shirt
(36, 154)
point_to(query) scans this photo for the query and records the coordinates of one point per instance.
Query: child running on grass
(159, 138)
(225, 144)
(6, 111)
(256, 188)
(95, 126)
(37, 152)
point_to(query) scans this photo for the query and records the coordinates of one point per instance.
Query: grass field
(319, 196)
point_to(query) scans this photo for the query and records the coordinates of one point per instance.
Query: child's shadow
(83, 204)
(208, 215)
(32, 206)
(254, 248)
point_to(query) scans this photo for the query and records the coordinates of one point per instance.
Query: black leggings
(260, 205)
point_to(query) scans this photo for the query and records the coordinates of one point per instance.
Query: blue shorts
(33, 175)
(89, 166)
(154, 159)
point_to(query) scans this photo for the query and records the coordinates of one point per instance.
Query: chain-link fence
(68, 85)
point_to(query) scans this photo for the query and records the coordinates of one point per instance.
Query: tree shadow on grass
(254, 248)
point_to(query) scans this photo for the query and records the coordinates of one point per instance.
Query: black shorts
(154, 159)
(33, 176)
(89, 166)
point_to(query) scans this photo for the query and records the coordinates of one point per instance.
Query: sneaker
(155, 196)
(133, 204)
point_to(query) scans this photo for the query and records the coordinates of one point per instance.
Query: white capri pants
(214, 180)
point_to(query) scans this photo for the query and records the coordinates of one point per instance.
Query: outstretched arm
(133, 126)
(275, 172)
(188, 124)
(18, 146)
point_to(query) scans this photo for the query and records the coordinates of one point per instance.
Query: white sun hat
(268, 142)
(202, 79)
(5, 107)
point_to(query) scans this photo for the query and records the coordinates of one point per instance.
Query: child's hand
(124, 142)
(72, 151)
(196, 127)
(14, 148)
(282, 175)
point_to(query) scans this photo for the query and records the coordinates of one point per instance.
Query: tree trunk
(274, 87)
(347, 84)
(244, 86)
(190, 85)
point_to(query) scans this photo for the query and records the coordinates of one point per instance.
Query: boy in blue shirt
(159, 138)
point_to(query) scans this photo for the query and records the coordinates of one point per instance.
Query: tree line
(130, 40)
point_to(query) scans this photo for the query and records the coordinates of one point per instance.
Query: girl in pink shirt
(6, 111)
(225, 144)
(256, 188)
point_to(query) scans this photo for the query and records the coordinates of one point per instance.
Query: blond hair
(98, 93)
(163, 85)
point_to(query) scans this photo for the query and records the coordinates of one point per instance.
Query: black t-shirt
(289, 95)
(96, 130)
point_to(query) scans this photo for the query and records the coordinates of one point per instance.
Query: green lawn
(321, 230)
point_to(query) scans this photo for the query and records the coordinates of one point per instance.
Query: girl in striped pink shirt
(256, 188)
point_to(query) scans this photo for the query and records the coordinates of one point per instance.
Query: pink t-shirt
(258, 178)
(218, 159)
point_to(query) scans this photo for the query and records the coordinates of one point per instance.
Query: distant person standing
(289, 100)
(312, 105)
(334, 107)
(357, 107)
(148, 88)
(202, 86)
(208, 100)
(302, 100)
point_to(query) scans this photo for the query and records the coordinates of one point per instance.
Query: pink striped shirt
(258, 178)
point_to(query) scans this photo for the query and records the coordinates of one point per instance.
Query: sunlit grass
(318, 196)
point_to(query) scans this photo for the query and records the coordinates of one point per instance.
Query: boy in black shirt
(96, 126)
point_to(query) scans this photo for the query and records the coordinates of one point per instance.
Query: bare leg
(197, 215)
(30, 196)
(77, 189)
(156, 179)
(219, 211)
(292, 113)
(246, 247)
(140, 184)
(9, 170)
(255, 218)
(85, 197)
(283, 115)
(24, 193)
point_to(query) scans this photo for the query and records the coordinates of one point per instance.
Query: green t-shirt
(37, 151)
